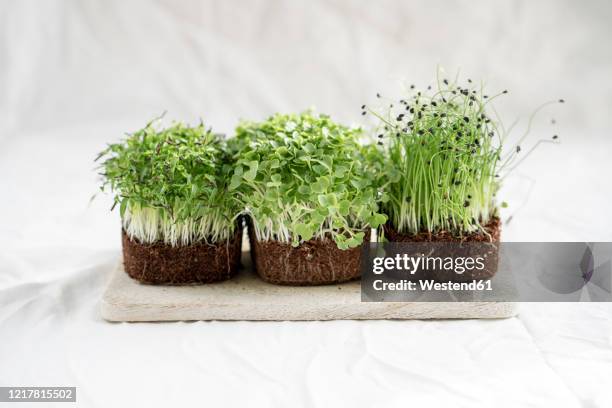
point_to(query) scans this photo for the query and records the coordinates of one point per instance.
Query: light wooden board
(246, 297)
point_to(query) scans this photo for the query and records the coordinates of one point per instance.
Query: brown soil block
(314, 262)
(160, 263)
(475, 244)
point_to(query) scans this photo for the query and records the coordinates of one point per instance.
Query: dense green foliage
(171, 184)
(443, 157)
(303, 176)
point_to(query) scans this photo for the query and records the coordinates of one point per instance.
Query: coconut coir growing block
(197, 263)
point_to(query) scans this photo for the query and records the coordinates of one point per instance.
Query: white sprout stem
(149, 225)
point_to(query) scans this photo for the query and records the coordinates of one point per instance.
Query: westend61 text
(431, 285)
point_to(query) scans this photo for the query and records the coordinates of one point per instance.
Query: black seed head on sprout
(555, 137)
(466, 203)
(363, 113)
(518, 149)
(377, 95)
(412, 86)
(469, 80)
(380, 136)
(380, 143)
(466, 119)
(485, 96)
(421, 131)
(363, 106)
(561, 100)
(445, 82)
(505, 91)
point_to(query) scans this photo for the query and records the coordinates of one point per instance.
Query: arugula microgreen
(303, 176)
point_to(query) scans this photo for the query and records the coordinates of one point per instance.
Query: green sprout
(303, 176)
(445, 149)
(171, 184)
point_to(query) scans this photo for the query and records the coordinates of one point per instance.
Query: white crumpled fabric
(77, 75)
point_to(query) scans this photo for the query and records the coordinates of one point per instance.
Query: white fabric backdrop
(75, 75)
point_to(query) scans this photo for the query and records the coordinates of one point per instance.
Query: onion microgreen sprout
(446, 159)
(171, 184)
(303, 176)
